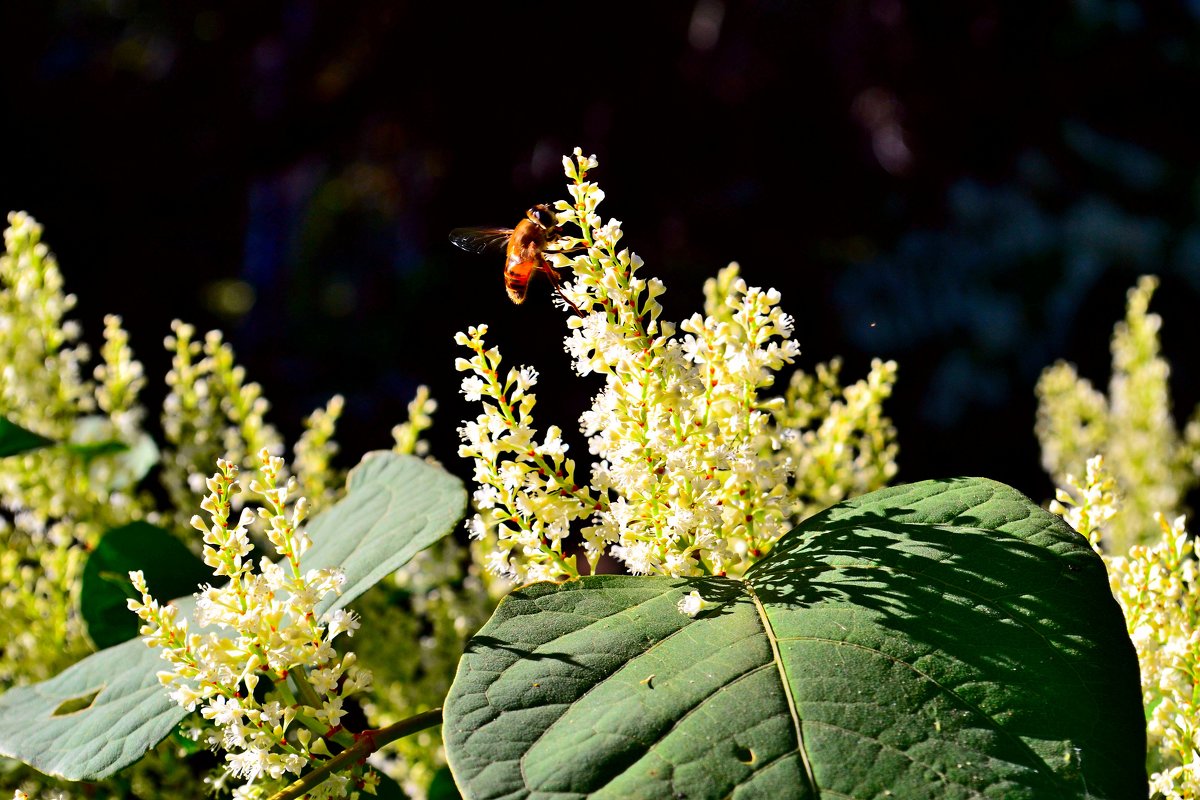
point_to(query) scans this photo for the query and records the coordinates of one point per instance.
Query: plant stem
(303, 688)
(308, 697)
(365, 743)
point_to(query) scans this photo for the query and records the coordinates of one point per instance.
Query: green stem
(365, 744)
(310, 700)
(308, 695)
(285, 689)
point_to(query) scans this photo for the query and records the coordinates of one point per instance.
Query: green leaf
(401, 505)
(442, 786)
(94, 436)
(388, 789)
(940, 640)
(136, 462)
(112, 463)
(14, 439)
(93, 718)
(395, 506)
(171, 570)
(89, 450)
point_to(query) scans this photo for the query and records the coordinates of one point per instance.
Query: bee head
(543, 215)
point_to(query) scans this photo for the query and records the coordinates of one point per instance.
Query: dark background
(982, 181)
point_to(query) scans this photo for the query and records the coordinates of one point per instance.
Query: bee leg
(567, 252)
(556, 279)
(567, 300)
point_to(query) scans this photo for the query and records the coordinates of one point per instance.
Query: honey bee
(524, 248)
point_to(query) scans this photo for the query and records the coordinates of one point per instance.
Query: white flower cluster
(1158, 589)
(210, 411)
(527, 489)
(260, 626)
(41, 364)
(320, 481)
(1153, 465)
(407, 434)
(693, 467)
(120, 379)
(1088, 505)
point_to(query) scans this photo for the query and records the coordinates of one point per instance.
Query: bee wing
(481, 240)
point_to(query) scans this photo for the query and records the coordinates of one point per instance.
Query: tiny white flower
(692, 604)
(472, 388)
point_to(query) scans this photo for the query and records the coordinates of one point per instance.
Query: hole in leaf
(71, 705)
(744, 754)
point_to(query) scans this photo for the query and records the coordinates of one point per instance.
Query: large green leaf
(945, 639)
(397, 506)
(93, 718)
(14, 439)
(104, 712)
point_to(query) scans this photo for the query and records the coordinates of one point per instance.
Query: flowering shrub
(696, 474)
(1157, 587)
(1152, 463)
(1129, 517)
(58, 500)
(88, 477)
(746, 654)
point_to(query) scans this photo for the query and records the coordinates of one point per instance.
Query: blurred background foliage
(969, 189)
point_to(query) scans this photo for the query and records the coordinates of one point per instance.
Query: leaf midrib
(787, 687)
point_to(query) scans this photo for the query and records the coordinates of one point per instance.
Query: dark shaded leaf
(171, 570)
